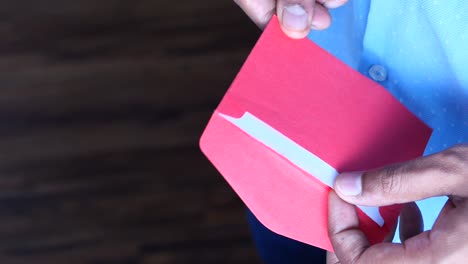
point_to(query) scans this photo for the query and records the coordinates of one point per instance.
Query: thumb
(436, 175)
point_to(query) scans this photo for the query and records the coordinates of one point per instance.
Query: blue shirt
(418, 50)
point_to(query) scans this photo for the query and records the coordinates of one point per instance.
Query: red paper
(329, 109)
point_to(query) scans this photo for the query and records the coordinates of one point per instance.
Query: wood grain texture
(101, 107)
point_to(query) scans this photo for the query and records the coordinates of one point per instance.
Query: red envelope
(303, 102)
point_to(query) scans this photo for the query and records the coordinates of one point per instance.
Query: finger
(332, 258)
(436, 175)
(411, 222)
(391, 235)
(332, 3)
(450, 231)
(452, 215)
(260, 11)
(351, 245)
(296, 17)
(343, 228)
(321, 19)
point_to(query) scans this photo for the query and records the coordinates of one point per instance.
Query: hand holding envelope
(297, 17)
(414, 180)
(294, 118)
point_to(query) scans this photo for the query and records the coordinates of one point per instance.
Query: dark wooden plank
(101, 107)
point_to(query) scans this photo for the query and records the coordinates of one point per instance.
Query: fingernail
(295, 18)
(349, 183)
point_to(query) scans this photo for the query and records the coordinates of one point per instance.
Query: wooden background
(102, 103)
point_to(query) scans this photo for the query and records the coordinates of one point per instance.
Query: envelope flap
(283, 197)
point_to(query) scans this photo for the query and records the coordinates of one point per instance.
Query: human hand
(297, 17)
(445, 173)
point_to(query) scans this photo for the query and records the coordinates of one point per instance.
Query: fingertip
(296, 34)
(321, 19)
(295, 21)
(341, 215)
(349, 184)
(333, 199)
(411, 221)
(259, 11)
(343, 229)
(333, 3)
(332, 258)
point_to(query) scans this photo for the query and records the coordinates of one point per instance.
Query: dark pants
(277, 249)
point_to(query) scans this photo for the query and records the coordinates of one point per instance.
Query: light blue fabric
(424, 47)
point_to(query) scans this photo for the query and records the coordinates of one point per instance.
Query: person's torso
(418, 50)
(421, 52)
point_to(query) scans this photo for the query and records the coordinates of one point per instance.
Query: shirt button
(378, 73)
